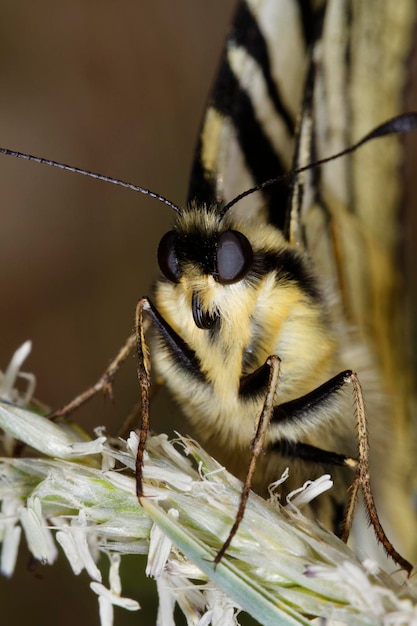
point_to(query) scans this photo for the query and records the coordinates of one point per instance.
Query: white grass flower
(9, 379)
(159, 549)
(38, 534)
(10, 533)
(311, 489)
(280, 567)
(73, 538)
(9, 386)
(108, 598)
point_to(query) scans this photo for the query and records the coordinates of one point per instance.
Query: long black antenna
(79, 170)
(403, 123)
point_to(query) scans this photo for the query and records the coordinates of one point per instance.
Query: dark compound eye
(167, 258)
(234, 257)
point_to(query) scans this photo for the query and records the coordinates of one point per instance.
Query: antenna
(404, 123)
(79, 170)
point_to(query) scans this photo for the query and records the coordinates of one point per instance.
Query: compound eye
(234, 257)
(167, 257)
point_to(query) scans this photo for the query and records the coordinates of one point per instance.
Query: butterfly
(303, 271)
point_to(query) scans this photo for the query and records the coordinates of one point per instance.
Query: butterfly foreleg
(177, 347)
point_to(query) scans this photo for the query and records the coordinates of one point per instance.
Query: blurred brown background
(117, 88)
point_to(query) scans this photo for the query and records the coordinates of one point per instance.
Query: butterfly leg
(178, 347)
(363, 480)
(104, 383)
(144, 376)
(304, 407)
(261, 427)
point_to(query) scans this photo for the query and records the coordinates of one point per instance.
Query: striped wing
(248, 132)
(300, 81)
(349, 217)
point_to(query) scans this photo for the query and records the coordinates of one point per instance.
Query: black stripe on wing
(305, 145)
(229, 99)
(234, 104)
(260, 156)
(311, 20)
(246, 34)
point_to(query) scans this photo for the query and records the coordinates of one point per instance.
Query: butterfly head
(204, 253)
